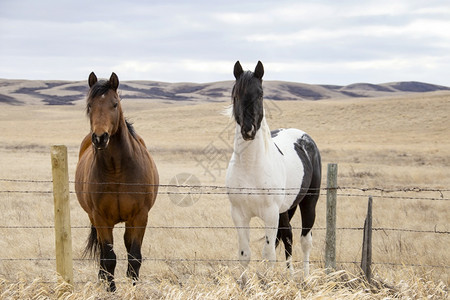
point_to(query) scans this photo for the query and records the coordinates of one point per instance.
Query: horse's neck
(256, 151)
(118, 151)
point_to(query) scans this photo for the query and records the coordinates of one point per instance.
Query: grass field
(390, 143)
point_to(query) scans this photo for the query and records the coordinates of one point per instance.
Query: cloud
(309, 41)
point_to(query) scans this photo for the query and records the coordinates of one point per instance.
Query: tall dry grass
(223, 284)
(389, 143)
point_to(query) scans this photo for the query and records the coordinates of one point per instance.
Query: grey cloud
(309, 41)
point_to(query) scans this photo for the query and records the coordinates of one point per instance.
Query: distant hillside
(19, 92)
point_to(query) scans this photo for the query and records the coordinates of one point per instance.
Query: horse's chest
(116, 190)
(253, 188)
(258, 175)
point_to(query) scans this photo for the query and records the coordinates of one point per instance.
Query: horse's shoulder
(85, 144)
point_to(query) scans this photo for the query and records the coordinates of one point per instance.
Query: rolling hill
(20, 92)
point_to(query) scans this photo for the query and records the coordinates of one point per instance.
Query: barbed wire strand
(223, 193)
(364, 189)
(229, 227)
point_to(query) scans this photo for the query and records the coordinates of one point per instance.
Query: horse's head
(247, 97)
(103, 109)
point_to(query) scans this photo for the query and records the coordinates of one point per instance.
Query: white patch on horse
(306, 242)
(285, 141)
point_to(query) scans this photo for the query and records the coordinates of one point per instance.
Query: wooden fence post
(330, 242)
(63, 236)
(366, 260)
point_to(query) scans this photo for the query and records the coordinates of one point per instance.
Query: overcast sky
(320, 42)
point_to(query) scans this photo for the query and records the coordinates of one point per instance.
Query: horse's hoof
(112, 287)
(243, 279)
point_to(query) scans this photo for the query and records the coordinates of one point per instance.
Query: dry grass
(223, 284)
(390, 143)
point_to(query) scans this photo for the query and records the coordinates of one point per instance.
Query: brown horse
(116, 180)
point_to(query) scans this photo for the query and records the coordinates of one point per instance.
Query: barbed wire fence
(412, 193)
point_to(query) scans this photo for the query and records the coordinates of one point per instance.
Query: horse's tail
(92, 249)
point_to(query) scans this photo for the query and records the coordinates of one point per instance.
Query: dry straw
(224, 284)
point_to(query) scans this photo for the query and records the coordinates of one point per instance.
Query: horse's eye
(115, 105)
(88, 108)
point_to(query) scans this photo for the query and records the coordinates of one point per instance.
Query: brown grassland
(390, 143)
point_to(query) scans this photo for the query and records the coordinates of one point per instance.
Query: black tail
(284, 232)
(92, 249)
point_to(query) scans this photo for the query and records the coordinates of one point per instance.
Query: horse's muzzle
(100, 142)
(248, 135)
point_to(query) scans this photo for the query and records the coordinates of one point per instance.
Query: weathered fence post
(63, 236)
(366, 260)
(330, 242)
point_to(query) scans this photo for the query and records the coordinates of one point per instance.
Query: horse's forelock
(242, 83)
(245, 80)
(99, 88)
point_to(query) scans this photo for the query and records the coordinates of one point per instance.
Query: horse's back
(285, 137)
(302, 161)
(296, 141)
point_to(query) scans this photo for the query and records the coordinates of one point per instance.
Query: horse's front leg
(134, 235)
(242, 224)
(270, 217)
(107, 255)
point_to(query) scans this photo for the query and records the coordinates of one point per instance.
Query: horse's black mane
(131, 128)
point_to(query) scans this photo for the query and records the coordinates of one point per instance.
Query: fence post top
(58, 147)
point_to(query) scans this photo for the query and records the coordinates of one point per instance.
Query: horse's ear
(237, 70)
(114, 80)
(259, 70)
(92, 79)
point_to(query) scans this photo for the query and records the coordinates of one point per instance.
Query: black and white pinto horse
(270, 174)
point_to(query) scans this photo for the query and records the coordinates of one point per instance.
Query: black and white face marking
(247, 96)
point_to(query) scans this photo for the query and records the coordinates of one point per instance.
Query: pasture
(390, 143)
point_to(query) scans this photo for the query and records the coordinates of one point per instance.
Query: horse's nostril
(104, 137)
(100, 142)
(94, 138)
